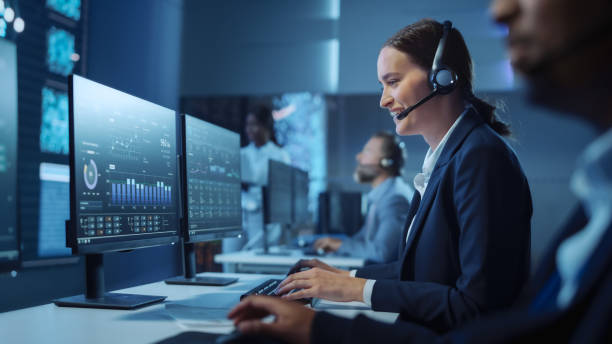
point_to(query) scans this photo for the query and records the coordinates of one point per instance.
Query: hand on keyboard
(322, 284)
(292, 321)
(315, 263)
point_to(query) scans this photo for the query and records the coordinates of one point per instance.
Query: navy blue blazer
(469, 248)
(586, 320)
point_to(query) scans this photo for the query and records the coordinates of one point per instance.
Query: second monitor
(211, 191)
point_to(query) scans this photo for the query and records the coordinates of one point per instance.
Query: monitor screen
(54, 210)
(278, 194)
(123, 170)
(9, 245)
(300, 197)
(212, 175)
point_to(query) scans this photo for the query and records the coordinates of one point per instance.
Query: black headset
(396, 157)
(442, 78)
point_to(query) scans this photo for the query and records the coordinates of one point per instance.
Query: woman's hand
(292, 321)
(315, 263)
(323, 284)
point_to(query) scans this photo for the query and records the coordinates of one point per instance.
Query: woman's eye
(392, 82)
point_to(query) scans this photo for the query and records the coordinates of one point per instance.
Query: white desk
(51, 324)
(255, 262)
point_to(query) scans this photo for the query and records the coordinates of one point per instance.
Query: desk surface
(256, 258)
(49, 323)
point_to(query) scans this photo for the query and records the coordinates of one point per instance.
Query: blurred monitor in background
(254, 158)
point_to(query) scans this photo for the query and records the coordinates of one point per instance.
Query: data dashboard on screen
(9, 247)
(212, 171)
(124, 168)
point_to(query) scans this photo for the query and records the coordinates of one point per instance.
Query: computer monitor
(210, 175)
(301, 216)
(339, 212)
(9, 240)
(123, 182)
(277, 200)
(278, 193)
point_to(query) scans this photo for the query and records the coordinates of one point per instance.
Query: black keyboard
(268, 288)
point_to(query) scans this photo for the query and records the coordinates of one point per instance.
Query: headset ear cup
(386, 162)
(443, 80)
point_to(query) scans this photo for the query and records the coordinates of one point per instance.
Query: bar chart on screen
(135, 192)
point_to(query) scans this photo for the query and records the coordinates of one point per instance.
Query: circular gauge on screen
(90, 174)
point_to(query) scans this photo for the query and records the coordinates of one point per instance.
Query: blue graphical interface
(124, 166)
(8, 153)
(60, 49)
(213, 177)
(54, 209)
(69, 8)
(54, 124)
(2, 28)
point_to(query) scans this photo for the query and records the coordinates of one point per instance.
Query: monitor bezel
(71, 229)
(210, 234)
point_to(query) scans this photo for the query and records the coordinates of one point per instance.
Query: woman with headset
(466, 243)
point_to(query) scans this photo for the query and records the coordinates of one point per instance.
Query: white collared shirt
(431, 159)
(592, 183)
(254, 161)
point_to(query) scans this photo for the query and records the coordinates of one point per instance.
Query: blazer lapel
(423, 209)
(470, 120)
(414, 206)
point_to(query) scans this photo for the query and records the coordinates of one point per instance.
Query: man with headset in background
(379, 165)
(562, 47)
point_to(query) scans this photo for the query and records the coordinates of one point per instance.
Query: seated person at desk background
(379, 164)
(259, 128)
(569, 299)
(466, 243)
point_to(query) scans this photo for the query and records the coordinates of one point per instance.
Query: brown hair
(420, 40)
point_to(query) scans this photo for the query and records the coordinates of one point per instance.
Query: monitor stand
(266, 247)
(95, 297)
(190, 277)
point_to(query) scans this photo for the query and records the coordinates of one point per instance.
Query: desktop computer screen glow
(300, 127)
(69, 8)
(54, 210)
(9, 252)
(213, 178)
(60, 50)
(54, 124)
(2, 28)
(124, 168)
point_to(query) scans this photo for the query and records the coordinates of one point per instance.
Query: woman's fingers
(298, 284)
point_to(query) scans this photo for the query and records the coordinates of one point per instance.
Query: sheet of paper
(321, 304)
(201, 318)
